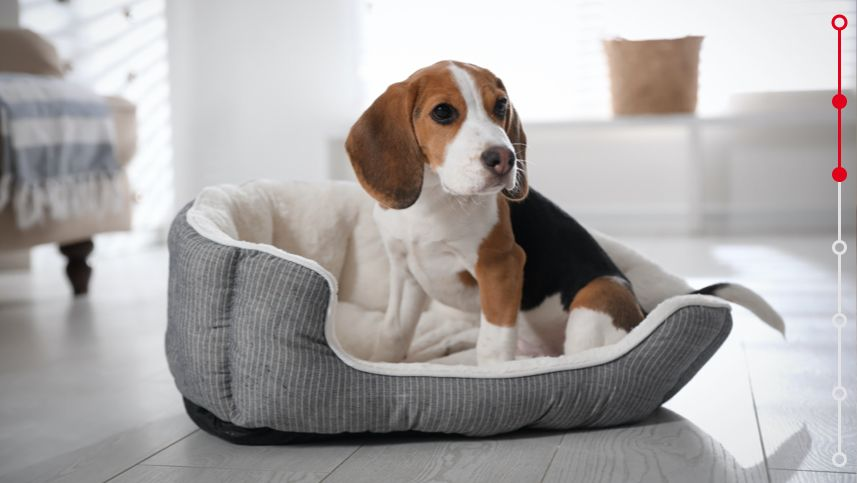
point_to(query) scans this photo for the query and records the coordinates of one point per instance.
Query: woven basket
(653, 76)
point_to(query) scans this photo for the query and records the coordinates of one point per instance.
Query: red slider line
(839, 91)
(839, 101)
(839, 61)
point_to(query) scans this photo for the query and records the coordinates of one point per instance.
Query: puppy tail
(749, 299)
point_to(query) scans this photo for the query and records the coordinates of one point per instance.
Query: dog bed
(275, 290)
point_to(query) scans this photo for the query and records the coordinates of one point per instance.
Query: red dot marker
(842, 18)
(840, 101)
(839, 174)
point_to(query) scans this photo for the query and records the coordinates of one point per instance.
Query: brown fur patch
(436, 85)
(500, 271)
(466, 279)
(395, 137)
(613, 297)
(383, 149)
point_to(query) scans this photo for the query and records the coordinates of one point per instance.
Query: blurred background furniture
(24, 51)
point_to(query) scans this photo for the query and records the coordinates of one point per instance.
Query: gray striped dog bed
(253, 349)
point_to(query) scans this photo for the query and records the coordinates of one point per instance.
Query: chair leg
(78, 270)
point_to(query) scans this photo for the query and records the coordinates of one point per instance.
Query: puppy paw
(495, 344)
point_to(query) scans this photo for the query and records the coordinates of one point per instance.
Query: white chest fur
(438, 237)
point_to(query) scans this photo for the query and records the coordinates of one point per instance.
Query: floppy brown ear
(383, 149)
(516, 134)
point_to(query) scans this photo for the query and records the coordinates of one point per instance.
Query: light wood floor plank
(205, 451)
(176, 474)
(105, 459)
(792, 476)
(517, 458)
(665, 448)
(793, 389)
(78, 373)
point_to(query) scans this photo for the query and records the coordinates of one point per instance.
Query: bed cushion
(257, 273)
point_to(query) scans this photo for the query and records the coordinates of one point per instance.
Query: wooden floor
(85, 394)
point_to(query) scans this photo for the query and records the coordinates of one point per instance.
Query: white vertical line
(839, 284)
(839, 255)
(839, 459)
(839, 211)
(839, 426)
(839, 356)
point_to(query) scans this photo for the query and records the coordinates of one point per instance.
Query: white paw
(495, 343)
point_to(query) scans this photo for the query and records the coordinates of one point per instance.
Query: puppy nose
(498, 159)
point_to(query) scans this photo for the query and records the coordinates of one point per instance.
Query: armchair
(26, 52)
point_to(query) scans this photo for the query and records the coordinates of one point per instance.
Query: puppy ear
(383, 149)
(516, 134)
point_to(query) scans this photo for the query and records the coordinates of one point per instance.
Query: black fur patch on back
(711, 289)
(562, 257)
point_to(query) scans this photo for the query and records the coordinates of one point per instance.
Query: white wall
(745, 175)
(258, 91)
(8, 14)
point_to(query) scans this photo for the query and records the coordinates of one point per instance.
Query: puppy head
(454, 118)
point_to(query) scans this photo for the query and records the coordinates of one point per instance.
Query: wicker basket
(653, 76)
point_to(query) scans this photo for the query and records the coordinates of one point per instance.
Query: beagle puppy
(444, 155)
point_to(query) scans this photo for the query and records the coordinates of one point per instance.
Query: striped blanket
(57, 155)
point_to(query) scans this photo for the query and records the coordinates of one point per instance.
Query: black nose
(498, 159)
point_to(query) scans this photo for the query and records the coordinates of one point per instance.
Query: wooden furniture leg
(78, 270)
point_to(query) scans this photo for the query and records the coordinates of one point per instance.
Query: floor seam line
(756, 411)
(340, 464)
(230, 468)
(831, 472)
(553, 456)
(149, 456)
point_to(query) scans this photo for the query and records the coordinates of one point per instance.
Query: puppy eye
(501, 106)
(444, 114)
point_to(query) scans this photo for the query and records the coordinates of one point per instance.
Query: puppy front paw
(495, 344)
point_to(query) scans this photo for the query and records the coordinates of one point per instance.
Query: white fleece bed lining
(519, 368)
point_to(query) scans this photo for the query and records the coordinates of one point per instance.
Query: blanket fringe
(62, 199)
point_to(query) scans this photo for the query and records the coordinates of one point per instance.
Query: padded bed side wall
(198, 311)
(274, 299)
(233, 333)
